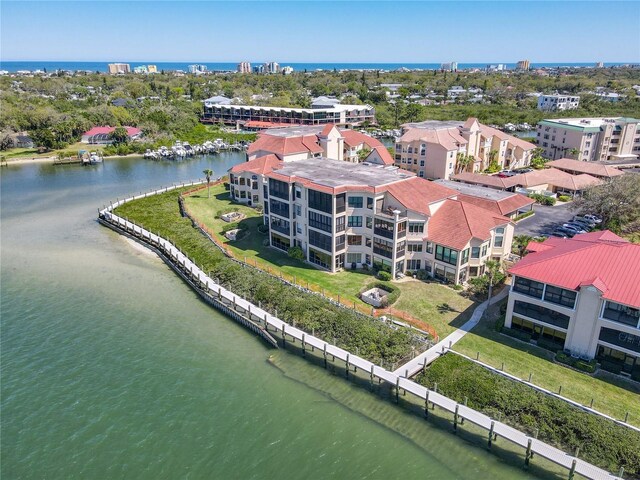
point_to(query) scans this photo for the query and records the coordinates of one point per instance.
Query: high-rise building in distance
(119, 68)
(244, 67)
(523, 65)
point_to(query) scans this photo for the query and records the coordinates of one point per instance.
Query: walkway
(291, 334)
(412, 367)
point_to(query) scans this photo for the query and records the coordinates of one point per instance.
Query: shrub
(548, 344)
(523, 215)
(457, 287)
(296, 253)
(422, 275)
(499, 323)
(602, 442)
(543, 199)
(231, 226)
(519, 334)
(384, 276)
(564, 198)
(262, 228)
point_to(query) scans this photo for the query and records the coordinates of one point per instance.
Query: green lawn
(612, 394)
(347, 284)
(438, 305)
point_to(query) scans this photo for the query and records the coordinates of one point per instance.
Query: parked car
(583, 221)
(573, 228)
(594, 218)
(580, 226)
(507, 173)
(560, 234)
(525, 170)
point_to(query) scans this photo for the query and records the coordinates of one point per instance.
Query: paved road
(545, 220)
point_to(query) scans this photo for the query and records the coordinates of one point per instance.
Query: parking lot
(545, 220)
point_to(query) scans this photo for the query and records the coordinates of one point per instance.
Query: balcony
(541, 314)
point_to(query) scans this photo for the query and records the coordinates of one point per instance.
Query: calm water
(111, 367)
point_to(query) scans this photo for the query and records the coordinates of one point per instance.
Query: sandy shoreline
(51, 159)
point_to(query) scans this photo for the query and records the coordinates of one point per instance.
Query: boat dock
(287, 333)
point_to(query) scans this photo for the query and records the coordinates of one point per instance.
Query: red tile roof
(282, 146)
(353, 139)
(602, 259)
(260, 165)
(504, 206)
(551, 176)
(592, 168)
(455, 223)
(327, 129)
(417, 194)
(383, 153)
(131, 131)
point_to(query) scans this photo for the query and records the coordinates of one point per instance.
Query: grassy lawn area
(16, 153)
(440, 306)
(612, 394)
(424, 302)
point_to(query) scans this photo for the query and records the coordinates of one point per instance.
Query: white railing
(431, 398)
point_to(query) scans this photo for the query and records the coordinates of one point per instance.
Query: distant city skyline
(320, 32)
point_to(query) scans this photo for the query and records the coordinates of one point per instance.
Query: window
(340, 203)
(541, 314)
(383, 247)
(413, 264)
(484, 250)
(319, 221)
(279, 225)
(415, 247)
(354, 258)
(340, 241)
(355, 202)
(383, 228)
(621, 339)
(369, 222)
(429, 247)
(422, 163)
(621, 314)
(242, 181)
(298, 210)
(528, 287)
(560, 296)
(367, 241)
(278, 189)
(354, 240)
(354, 221)
(400, 249)
(370, 203)
(320, 201)
(446, 255)
(499, 238)
(320, 240)
(475, 252)
(465, 257)
(416, 227)
(279, 208)
(280, 242)
(340, 224)
(319, 258)
(298, 192)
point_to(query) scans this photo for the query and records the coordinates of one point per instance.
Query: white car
(593, 218)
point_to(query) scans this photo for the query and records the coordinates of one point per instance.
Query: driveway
(546, 219)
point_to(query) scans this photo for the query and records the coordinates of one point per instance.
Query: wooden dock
(240, 308)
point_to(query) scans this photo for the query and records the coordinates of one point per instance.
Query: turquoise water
(112, 368)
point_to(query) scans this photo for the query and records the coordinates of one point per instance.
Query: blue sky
(308, 31)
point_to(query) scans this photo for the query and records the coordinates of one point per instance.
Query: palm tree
(492, 267)
(462, 162)
(208, 173)
(574, 152)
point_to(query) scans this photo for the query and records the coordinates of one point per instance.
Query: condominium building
(238, 115)
(557, 102)
(287, 70)
(152, 69)
(197, 69)
(590, 139)
(297, 143)
(582, 295)
(115, 68)
(346, 215)
(272, 67)
(523, 66)
(431, 149)
(244, 67)
(449, 67)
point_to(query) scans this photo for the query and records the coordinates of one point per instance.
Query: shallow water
(112, 368)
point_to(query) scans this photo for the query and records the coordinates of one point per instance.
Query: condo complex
(369, 214)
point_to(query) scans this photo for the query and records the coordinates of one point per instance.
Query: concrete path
(414, 366)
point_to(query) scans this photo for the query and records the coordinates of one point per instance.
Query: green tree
(44, 139)
(119, 136)
(616, 201)
(208, 173)
(463, 161)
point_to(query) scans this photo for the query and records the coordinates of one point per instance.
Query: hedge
(523, 215)
(392, 296)
(588, 366)
(602, 442)
(373, 339)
